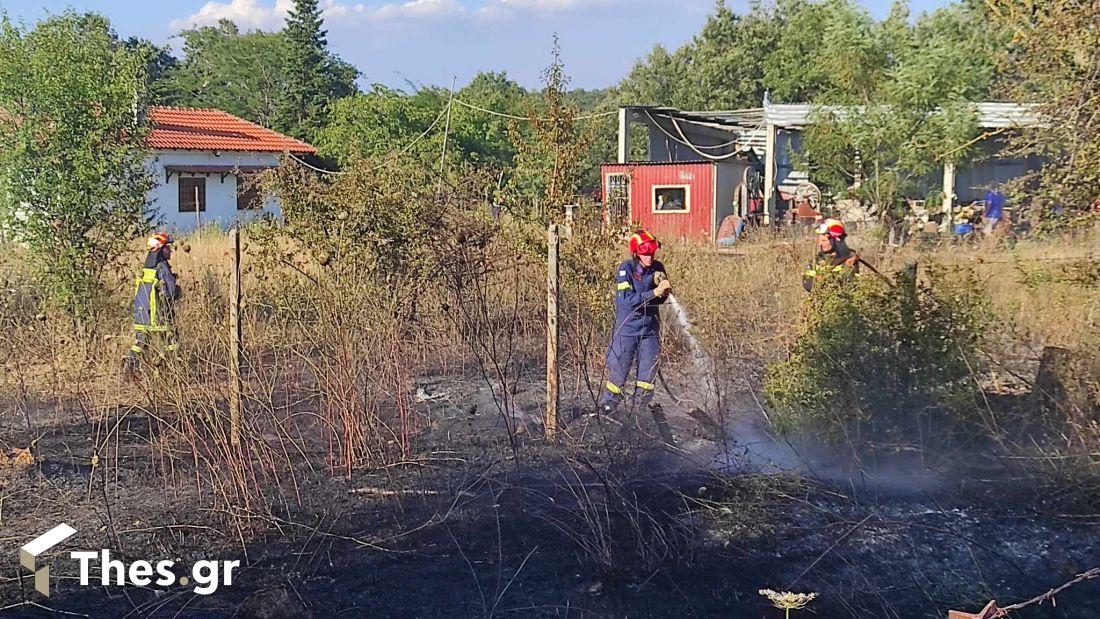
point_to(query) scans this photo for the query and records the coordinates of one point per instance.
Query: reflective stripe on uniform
(645, 385)
(613, 388)
(171, 347)
(623, 286)
(136, 348)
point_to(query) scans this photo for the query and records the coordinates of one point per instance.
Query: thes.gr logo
(30, 552)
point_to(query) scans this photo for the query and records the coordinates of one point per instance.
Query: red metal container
(672, 200)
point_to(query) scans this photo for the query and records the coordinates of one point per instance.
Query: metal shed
(683, 200)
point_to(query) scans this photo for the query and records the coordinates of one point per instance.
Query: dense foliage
(226, 69)
(872, 357)
(73, 182)
(1053, 61)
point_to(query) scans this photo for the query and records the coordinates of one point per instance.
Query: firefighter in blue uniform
(640, 287)
(155, 292)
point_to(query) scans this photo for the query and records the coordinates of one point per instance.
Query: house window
(618, 197)
(671, 198)
(248, 194)
(192, 193)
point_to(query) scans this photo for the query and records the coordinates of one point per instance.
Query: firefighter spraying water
(641, 286)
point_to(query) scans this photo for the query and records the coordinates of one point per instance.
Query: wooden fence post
(235, 404)
(551, 421)
(570, 219)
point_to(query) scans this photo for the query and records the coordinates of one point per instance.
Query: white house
(202, 160)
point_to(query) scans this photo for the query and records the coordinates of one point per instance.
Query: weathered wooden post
(198, 215)
(570, 218)
(235, 404)
(551, 421)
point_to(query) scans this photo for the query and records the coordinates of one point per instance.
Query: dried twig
(1049, 595)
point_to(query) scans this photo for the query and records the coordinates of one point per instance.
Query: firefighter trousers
(624, 352)
(161, 343)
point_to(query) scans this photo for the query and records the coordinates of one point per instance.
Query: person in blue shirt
(641, 286)
(994, 209)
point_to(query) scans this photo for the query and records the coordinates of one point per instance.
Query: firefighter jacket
(636, 305)
(155, 291)
(841, 260)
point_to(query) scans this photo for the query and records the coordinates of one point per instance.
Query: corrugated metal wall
(697, 178)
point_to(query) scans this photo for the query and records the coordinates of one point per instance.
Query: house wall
(221, 195)
(699, 178)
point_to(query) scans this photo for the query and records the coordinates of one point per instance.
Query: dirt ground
(611, 522)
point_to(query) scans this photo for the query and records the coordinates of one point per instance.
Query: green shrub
(878, 359)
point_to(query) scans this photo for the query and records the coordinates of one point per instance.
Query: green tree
(548, 161)
(386, 120)
(482, 137)
(728, 58)
(381, 121)
(904, 95)
(159, 64)
(73, 182)
(228, 70)
(314, 77)
(1053, 63)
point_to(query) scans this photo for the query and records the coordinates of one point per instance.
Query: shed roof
(991, 115)
(209, 129)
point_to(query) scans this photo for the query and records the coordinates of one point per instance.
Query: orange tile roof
(204, 129)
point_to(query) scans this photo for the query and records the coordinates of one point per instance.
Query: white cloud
(258, 14)
(247, 14)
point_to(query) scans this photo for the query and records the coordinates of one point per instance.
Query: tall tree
(73, 181)
(548, 163)
(159, 63)
(313, 76)
(906, 96)
(223, 68)
(383, 120)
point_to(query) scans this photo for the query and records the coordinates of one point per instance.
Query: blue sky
(397, 42)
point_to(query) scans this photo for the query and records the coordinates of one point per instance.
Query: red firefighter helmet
(833, 228)
(159, 240)
(643, 243)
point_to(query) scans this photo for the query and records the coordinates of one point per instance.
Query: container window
(672, 199)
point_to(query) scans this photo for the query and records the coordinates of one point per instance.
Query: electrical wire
(395, 153)
(516, 117)
(687, 142)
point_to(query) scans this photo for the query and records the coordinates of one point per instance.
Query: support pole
(948, 195)
(446, 134)
(624, 135)
(235, 388)
(447, 126)
(769, 174)
(551, 421)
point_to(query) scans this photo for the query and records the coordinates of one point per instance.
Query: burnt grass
(607, 523)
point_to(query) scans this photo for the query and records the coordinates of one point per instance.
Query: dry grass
(332, 360)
